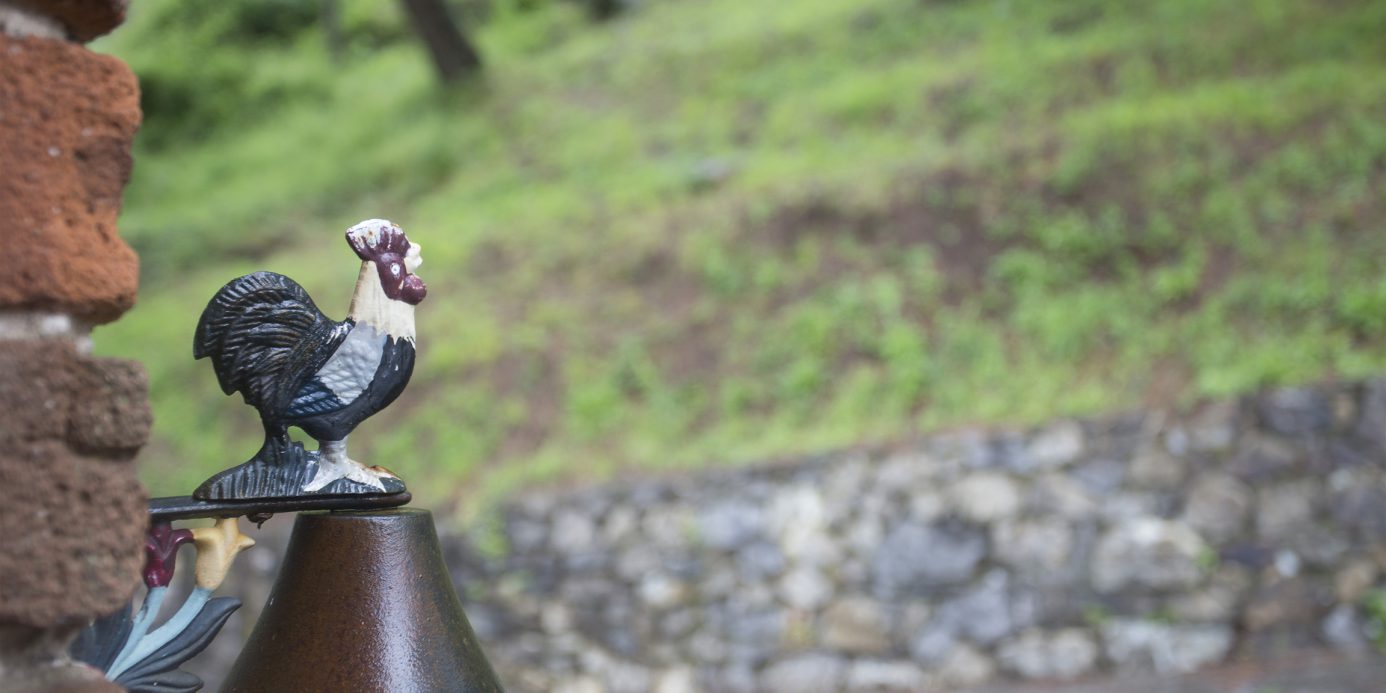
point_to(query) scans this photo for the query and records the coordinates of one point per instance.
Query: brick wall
(71, 509)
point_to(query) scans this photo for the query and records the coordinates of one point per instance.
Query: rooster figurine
(268, 341)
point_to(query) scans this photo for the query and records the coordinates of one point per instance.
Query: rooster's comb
(374, 237)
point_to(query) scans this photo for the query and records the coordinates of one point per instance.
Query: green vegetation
(1097, 616)
(1374, 608)
(716, 230)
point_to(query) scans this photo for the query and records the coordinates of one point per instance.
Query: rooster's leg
(334, 464)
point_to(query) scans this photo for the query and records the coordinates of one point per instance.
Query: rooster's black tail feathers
(262, 332)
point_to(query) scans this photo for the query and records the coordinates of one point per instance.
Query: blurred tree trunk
(331, 14)
(602, 10)
(453, 55)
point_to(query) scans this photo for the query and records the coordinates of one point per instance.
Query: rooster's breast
(367, 371)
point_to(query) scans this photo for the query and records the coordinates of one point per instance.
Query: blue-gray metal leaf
(99, 643)
(159, 671)
(176, 681)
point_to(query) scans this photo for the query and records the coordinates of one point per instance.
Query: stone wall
(71, 508)
(1124, 544)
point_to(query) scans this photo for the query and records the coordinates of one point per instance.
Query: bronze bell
(363, 603)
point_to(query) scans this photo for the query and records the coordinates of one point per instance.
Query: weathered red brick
(110, 414)
(51, 392)
(84, 19)
(73, 529)
(67, 119)
(37, 383)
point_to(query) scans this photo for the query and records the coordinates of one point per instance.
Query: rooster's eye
(394, 268)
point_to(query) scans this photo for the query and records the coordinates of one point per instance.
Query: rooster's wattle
(268, 341)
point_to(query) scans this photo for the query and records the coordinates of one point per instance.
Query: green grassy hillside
(718, 230)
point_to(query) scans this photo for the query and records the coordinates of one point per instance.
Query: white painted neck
(370, 305)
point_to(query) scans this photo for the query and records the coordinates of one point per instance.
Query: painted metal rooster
(268, 341)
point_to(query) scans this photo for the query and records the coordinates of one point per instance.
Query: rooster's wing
(266, 338)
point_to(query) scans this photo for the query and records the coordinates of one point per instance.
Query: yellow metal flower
(217, 547)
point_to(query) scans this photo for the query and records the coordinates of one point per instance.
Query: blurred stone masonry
(72, 510)
(1127, 545)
